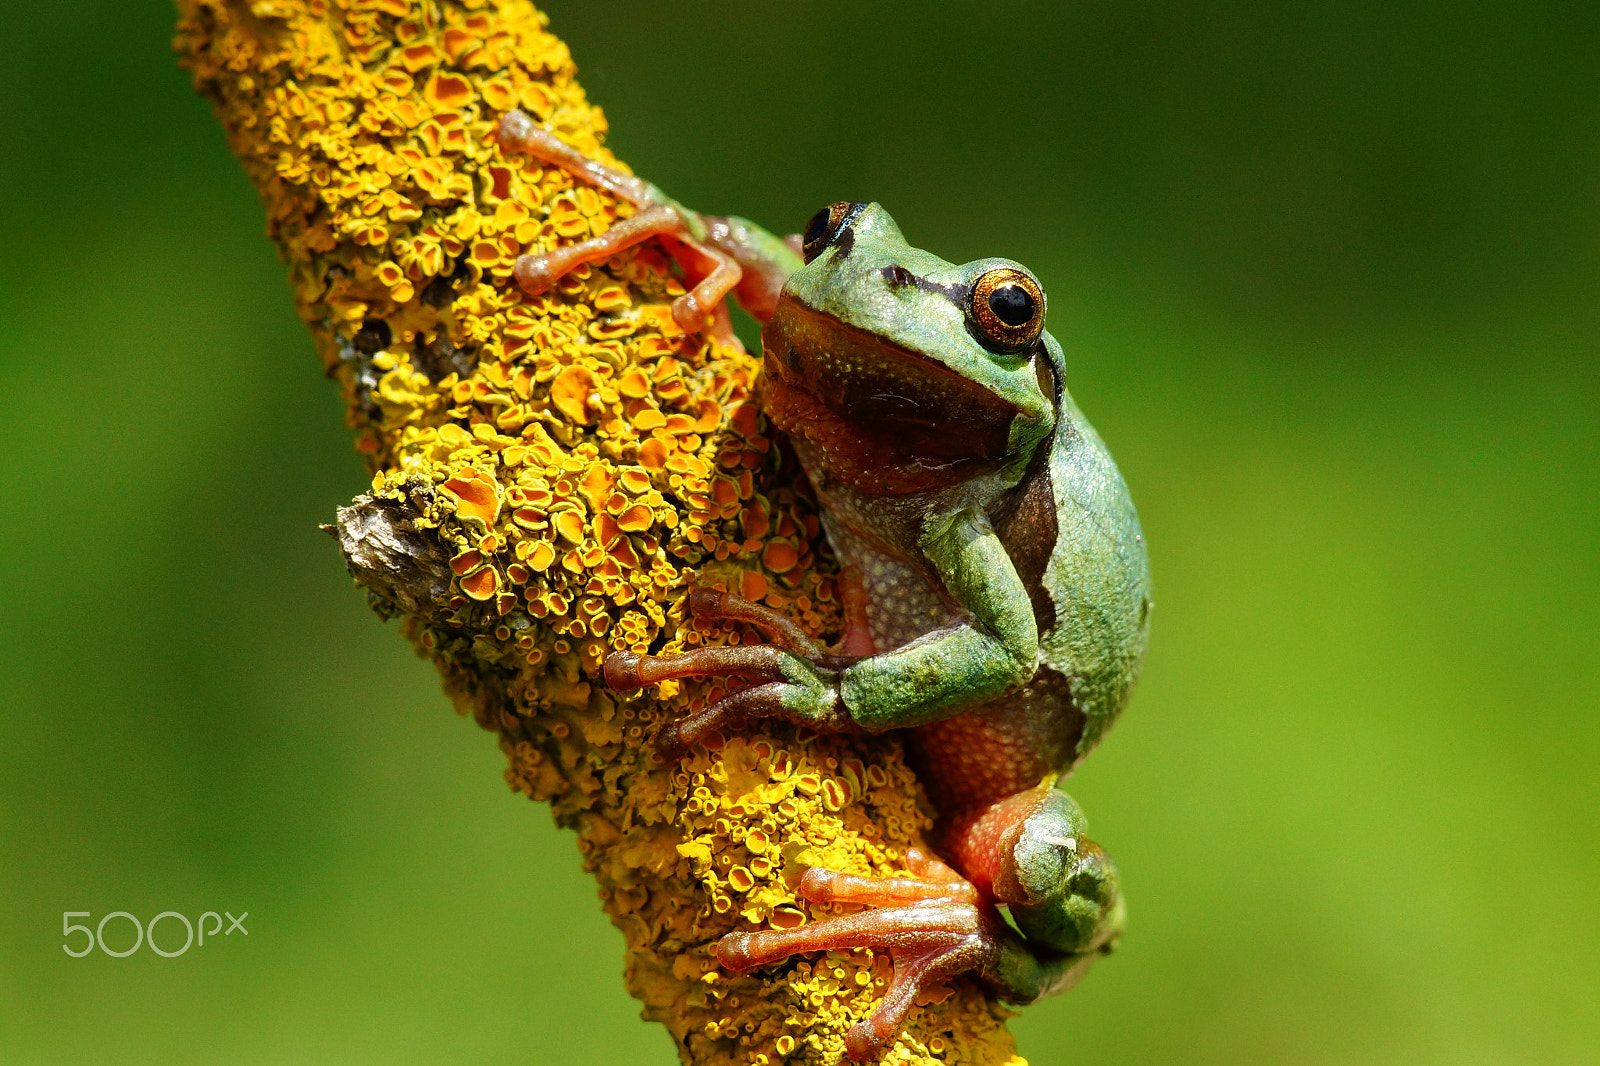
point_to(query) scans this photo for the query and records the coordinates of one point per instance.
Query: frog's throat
(879, 417)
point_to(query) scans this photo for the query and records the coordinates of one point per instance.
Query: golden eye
(1008, 308)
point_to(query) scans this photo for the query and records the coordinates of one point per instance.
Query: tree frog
(996, 584)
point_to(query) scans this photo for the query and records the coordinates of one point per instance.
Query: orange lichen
(477, 498)
(570, 392)
(579, 463)
(780, 556)
(481, 584)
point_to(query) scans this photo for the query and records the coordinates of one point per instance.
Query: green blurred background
(1328, 282)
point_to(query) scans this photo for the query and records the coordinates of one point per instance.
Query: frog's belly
(980, 755)
(1003, 748)
(901, 603)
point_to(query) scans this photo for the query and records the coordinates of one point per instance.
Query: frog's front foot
(934, 925)
(713, 272)
(797, 679)
(789, 687)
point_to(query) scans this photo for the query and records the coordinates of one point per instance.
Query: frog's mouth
(877, 416)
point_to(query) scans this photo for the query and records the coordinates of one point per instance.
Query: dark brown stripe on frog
(958, 294)
(1026, 524)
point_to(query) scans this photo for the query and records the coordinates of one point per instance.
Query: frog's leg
(720, 255)
(938, 924)
(1029, 851)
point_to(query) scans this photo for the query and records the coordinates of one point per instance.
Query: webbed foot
(1026, 851)
(934, 926)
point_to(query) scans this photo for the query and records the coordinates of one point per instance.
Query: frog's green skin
(1018, 554)
(1003, 599)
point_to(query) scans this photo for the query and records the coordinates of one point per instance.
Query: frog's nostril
(899, 276)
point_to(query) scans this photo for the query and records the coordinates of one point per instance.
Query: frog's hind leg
(1026, 851)
(687, 234)
(931, 926)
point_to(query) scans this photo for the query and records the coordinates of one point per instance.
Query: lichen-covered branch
(550, 476)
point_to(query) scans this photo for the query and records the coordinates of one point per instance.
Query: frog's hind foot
(933, 926)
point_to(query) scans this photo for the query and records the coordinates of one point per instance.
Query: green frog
(995, 579)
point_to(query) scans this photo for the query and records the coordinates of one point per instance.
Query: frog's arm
(719, 255)
(962, 666)
(948, 671)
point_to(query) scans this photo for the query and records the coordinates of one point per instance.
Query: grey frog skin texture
(994, 575)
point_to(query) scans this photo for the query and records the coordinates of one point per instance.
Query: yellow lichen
(587, 463)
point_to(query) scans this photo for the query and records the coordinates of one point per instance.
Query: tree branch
(551, 474)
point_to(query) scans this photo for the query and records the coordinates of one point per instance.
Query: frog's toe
(688, 314)
(930, 941)
(912, 929)
(621, 671)
(833, 886)
(710, 605)
(760, 701)
(669, 742)
(628, 671)
(707, 603)
(536, 273)
(912, 976)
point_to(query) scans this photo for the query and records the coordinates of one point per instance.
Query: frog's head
(901, 372)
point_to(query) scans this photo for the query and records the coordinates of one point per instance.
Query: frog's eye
(1008, 308)
(824, 227)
